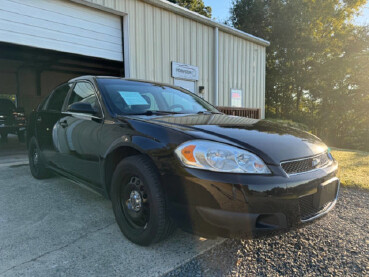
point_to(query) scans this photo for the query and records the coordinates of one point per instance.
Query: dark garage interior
(27, 75)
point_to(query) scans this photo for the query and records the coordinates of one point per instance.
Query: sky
(220, 8)
(364, 17)
(221, 11)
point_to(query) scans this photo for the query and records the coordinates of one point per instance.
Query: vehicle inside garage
(27, 75)
(45, 43)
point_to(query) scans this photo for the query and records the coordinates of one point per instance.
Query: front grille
(305, 165)
(307, 209)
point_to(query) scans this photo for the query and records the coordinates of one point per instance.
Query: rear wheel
(138, 201)
(36, 164)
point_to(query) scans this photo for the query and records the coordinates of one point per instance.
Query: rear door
(77, 135)
(46, 119)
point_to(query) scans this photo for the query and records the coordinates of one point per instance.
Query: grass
(353, 167)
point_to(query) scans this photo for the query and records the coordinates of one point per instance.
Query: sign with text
(185, 71)
(236, 98)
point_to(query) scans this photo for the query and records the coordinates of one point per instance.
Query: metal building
(44, 43)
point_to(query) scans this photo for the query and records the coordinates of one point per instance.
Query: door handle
(64, 123)
(39, 119)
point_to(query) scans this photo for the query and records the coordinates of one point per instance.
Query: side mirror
(80, 107)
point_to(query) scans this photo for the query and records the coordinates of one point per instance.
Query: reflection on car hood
(274, 142)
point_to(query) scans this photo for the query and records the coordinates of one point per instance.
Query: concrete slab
(12, 151)
(56, 228)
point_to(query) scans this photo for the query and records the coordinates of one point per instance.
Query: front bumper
(210, 203)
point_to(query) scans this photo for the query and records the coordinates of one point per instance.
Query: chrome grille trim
(287, 166)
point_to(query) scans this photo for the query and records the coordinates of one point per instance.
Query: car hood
(271, 141)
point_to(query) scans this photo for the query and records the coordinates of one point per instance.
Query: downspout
(126, 46)
(216, 66)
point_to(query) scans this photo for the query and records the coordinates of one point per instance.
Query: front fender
(122, 140)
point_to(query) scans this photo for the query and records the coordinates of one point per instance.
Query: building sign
(236, 98)
(185, 71)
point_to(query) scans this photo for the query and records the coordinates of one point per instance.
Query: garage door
(62, 26)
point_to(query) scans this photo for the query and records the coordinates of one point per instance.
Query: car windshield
(125, 97)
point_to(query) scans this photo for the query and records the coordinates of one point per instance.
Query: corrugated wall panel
(157, 37)
(241, 66)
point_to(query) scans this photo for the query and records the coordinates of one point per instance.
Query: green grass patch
(353, 167)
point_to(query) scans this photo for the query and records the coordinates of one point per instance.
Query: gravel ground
(337, 245)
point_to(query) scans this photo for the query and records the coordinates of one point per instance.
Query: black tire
(21, 136)
(4, 136)
(151, 223)
(36, 164)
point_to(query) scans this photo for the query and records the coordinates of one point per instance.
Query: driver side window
(84, 92)
(55, 102)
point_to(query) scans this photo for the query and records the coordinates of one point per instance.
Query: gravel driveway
(337, 245)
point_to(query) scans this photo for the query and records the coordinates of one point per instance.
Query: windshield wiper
(208, 112)
(153, 113)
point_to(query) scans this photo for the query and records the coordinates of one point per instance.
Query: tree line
(317, 63)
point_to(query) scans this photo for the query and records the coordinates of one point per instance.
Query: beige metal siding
(157, 37)
(241, 66)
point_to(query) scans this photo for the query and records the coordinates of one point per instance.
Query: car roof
(93, 77)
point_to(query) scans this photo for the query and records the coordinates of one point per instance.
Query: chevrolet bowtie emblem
(315, 162)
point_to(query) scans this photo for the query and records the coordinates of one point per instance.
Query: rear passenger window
(57, 99)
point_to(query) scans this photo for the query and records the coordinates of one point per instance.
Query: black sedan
(165, 157)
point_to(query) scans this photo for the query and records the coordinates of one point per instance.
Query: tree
(316, 64)
(195, 6)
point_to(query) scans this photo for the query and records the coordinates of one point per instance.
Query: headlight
(220, 157)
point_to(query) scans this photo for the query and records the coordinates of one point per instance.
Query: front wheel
(138, 201)
(36, 164)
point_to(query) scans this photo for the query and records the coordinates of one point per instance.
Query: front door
(47, 117)
(77, 136)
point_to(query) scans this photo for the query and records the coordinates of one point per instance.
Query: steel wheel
(139, 202)
(134, 202)
(34, 159)
(38, 169)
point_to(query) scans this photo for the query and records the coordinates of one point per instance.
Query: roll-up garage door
(62, 26)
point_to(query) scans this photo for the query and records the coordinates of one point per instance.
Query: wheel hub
(134, 202)
(35, 158)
